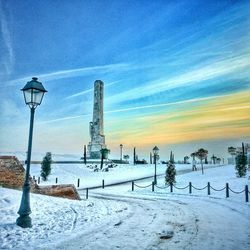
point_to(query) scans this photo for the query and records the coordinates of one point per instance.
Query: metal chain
(217, 189)
(236, 191)
(142, 186)
(181, 187)
(162, 187)
(199, 188)
(192, 187)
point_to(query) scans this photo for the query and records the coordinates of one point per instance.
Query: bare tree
(201, 154)
(193, 155)
(232, 151)
(218, 160)
(186, 159)
(134, 155)
(126, 157)
(213, 158)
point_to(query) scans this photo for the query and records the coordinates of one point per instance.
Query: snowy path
(118, 218)
(183, 223)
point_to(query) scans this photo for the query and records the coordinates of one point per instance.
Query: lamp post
(121, 146)
(155, 151)
(33, 93)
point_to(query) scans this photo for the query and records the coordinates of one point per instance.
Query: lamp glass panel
(37, 96)
(33, 96)
(27, 96)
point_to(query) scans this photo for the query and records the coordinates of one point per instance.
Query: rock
(65, 191)
(12, 174)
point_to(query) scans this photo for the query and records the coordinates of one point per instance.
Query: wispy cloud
(89, 90)
(64, 119)
(192, 77)
(167, 104)
(143, 107)
(75, 72)
(7, 54)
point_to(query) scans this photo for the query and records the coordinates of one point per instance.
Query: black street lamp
(155, 151)
(121, 146)
(33, 93)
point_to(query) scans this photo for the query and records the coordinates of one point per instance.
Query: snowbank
(53, 219)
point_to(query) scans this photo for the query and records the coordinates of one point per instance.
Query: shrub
(46, 166)
(170, 172)
(241, 165)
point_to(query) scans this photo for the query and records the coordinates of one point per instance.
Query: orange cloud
(223, 117)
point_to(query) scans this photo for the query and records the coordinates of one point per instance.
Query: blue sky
(176, 73)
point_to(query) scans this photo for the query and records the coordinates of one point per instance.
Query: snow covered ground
(69, 173)
(117, 218)
(36, 156)
(53, 219)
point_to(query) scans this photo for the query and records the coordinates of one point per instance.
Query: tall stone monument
(96, 126)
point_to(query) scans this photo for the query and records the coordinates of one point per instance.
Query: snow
(218, 177)
(118, 218)
(36, 156)
(53, 219)
(69, 173)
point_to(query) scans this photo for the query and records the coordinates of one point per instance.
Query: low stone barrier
(12, 174)
(65, 191)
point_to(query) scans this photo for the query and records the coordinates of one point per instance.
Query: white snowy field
(117, 218)
(217, 177)
(69, 173)
(54, 219)
(36, 156)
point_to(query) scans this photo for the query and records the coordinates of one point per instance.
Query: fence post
(190, 187)
(56, 180)
(227, 190)
(102, 184)
(246, 193)
(38, 180)
(133, 186)
(87, 193)
(78, 182)
(208, 188)
(171, 187)
(153, 186)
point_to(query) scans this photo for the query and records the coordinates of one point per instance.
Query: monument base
(95, 155)
(94, 150)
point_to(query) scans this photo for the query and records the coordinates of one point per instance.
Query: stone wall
(65, 191)
(12, 174)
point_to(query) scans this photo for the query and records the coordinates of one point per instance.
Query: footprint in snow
(165, 235)
(118, 224)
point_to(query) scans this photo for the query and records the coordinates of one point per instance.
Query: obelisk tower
(96, 126)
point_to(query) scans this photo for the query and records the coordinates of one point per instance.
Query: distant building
(231, 160)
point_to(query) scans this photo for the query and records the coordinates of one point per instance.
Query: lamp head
(33, 92)
(155, 150)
